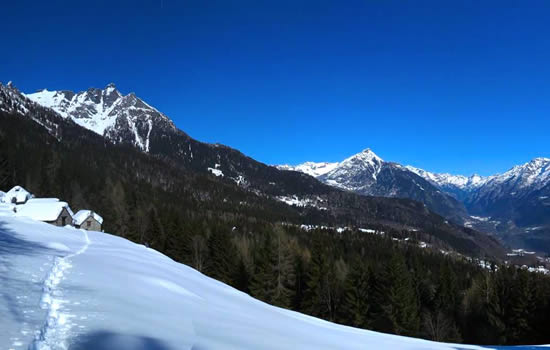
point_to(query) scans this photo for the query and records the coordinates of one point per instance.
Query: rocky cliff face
(120, 118)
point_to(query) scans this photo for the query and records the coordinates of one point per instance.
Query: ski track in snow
(56, 328)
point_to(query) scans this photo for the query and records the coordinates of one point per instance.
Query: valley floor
(63, 288)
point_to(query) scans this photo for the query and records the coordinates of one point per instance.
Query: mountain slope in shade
(120, 118)
(520, 196)
(502, 195)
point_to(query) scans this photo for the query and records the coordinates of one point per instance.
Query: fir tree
(242, 277)
(358, 298)
(152, 232)
(319, 297)
(519, 308)
(400, 308)
(221, 263)
(264, 281)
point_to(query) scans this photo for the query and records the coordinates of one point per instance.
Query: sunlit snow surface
(63, 288)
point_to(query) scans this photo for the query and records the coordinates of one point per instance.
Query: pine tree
(283, 268)
(319, 295)
(518, 305)
(495, 304)
(358, 298)
(5, 182)
(447, 298)
(264, 280)
(152, 231)
(400, 308)
(242, 277)
(299, 283)
(221, 262)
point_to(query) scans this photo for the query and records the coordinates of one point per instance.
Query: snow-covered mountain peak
(538, 163)
(364, 159)
(534, 174)
(364, 163)
(366, 155)
(107, 112)
(356, 172)
(11, 100)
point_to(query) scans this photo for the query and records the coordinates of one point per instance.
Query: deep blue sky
(459, 86)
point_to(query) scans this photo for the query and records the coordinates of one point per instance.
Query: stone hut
(49, 210)
(88, 220)
(17, 195)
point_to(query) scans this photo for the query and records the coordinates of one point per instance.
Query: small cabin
(88, 220)
(17, 195)
(49, 210)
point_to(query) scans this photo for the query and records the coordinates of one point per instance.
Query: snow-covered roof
(17, 193)
(43, 210)
(42, 200)
(83, 214)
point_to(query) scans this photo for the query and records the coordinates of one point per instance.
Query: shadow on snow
(106, 340)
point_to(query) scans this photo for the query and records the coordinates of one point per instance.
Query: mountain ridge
(368, 174)
(107, 112)
(514, 204)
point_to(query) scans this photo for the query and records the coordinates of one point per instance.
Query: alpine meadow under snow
(64, 288)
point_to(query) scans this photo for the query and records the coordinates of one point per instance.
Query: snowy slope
(311, 168)
(10, 99)
(64, 288)
(465, 183)
(120, 118)
(534, 175)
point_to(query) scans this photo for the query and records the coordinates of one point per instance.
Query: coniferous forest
(365, 280)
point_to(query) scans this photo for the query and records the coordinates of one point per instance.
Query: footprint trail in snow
(58, 323)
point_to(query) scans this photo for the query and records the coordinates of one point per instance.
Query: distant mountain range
(366, 173)
(515, 205)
